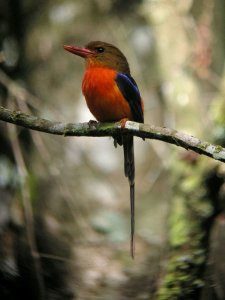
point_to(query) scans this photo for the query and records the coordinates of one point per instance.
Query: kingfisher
(112, 95)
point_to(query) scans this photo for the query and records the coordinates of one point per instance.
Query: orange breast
(103, 96)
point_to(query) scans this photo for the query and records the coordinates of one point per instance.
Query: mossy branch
(95, 129)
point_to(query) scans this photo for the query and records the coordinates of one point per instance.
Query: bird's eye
(100, 49)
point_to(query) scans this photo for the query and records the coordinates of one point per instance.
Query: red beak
(83, 52)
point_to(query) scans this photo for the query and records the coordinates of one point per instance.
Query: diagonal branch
(111, 129)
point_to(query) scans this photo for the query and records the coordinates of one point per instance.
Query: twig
(25, 194)
(111, 129)
(19, 92)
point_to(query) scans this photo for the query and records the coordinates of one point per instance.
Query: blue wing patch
(129, 89)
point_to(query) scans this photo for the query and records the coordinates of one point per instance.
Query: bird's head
(101, 54)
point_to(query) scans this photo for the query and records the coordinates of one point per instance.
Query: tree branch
(111, 129)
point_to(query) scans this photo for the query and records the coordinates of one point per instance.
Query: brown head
(101, 54)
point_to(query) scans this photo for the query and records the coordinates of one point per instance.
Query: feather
(129, 89)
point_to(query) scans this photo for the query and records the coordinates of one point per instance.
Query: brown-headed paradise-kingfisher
(112, 95)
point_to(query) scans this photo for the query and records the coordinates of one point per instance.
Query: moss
(218, 149)
(189, 184)
(107, 126)
(188, 255)
(178, 224)
(203, 146)
(182, 278)
(191, 208)
(14, 115)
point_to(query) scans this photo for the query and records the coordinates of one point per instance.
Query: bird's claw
(92, 123)
(123, 122)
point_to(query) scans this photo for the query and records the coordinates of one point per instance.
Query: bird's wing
(129, 90)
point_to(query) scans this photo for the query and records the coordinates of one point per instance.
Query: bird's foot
(92, 123)
(123, 122)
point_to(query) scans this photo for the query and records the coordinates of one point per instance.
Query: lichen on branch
(96, 129)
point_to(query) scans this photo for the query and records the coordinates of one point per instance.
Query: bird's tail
(129, 170)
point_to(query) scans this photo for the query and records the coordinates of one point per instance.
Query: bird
(112, 95)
